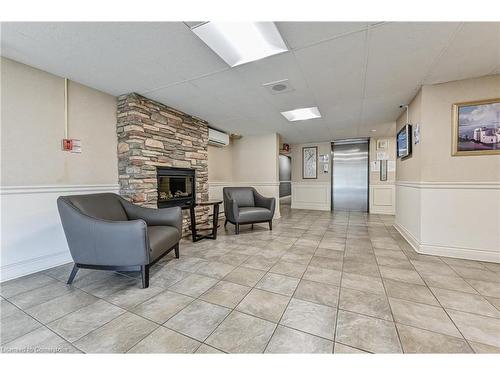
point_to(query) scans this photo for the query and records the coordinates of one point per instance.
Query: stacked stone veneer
(151, 134)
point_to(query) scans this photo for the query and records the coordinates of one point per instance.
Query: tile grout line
(314, 218)
(439, 302)
(446, 312)
(388, 302)
(340, 288)
(290, 300)
(232, 309)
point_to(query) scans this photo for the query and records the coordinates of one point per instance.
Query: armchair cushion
(254, 214)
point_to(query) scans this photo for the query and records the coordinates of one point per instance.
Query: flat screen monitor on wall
(403, 140)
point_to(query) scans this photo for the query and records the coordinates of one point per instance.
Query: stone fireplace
(154, 138)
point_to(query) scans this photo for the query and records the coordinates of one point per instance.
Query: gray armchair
(106, 232)
(244, 205)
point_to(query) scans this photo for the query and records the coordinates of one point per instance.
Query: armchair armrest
(103, 242)
(170, 216)
(261, 201)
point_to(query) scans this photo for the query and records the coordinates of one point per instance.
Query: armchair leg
(270, 225)
(72, 274)
(225, 223)
(145, 276)
(252, 226)
(237, 228)
(176, 250)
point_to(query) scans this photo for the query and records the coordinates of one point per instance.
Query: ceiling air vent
(278, 87)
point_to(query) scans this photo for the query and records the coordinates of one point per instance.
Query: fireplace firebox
(176, 186)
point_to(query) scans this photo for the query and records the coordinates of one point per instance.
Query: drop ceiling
(357, 73)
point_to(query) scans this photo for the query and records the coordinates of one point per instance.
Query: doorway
(350, 175)
(285, 176)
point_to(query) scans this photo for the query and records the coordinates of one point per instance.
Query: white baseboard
(29, 266)
(461, 253)
(310, 206)
(448, 251)
(414, 242)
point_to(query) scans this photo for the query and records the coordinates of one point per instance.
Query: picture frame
(310, 162)
(382, 144)
(476, 128)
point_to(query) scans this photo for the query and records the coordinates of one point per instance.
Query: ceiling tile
(334, 69)
(401, 54)
(167, 62)
(301, 34)
(385, 108)
(114, 57)
(474, 52)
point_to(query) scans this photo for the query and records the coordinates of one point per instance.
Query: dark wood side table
(212, 230)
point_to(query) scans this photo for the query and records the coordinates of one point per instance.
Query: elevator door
(350, 176)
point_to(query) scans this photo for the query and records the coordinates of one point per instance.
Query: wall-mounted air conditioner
(217, 138)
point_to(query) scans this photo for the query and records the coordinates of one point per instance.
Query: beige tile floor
(320, 282)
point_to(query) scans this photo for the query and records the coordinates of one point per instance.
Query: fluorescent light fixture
(241, 42)
(302, 114)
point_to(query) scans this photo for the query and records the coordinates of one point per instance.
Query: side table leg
(215, 221)
(193, 222)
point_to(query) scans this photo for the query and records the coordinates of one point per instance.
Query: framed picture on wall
(382, 144)
(309, 162)
(476, 128)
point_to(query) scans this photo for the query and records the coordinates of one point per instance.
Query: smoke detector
(278, 87)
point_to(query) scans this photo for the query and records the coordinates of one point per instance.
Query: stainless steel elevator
(350, 175)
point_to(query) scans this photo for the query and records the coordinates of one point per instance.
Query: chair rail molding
(32, 236)
(453, 219)
(9, 190)
(486, 185)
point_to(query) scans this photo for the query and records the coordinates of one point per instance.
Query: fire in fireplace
(176, 186)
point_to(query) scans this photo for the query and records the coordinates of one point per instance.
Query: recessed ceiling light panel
(302, 114)
(241, 42)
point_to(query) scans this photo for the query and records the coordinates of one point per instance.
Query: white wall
(449, 205)
(382, 193)
(34, 169)
(249, 161)
(311, 194)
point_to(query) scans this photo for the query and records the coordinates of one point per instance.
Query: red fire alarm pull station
(72, 145)
(67, 144)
